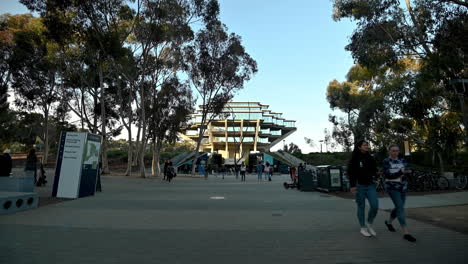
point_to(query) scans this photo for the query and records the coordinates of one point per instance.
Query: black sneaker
(409, 237)
(390, 226)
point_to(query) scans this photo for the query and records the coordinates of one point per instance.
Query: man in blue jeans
(259, 170)
(362, 169)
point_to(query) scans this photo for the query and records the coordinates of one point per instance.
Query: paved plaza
(192, 220)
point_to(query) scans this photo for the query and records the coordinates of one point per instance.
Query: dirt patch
(451, 217)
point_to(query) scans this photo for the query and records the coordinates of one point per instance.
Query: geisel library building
(242, 129)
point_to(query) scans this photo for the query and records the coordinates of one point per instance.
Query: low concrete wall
(17, 184)
(12, 202)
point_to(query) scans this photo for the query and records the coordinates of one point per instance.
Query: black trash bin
(330, 178)
(307, 181)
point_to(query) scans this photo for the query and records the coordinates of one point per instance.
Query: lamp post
(321, 141)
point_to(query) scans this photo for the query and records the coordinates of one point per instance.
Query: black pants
(242, 175)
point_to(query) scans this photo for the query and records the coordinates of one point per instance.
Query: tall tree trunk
(95, 116)
(441, 162)
(155, 166)
(464, 113)
(420, 32)
(46, 137)
(143, 132)
(136, 157)
(105, 162)
(197, 153)
(130, 151)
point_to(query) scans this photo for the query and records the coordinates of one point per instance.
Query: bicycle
(419, 181)
(461, 181)
(380, 182)
(432, 180)
(439, 182)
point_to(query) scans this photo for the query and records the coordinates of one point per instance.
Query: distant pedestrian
(166, 165)
(293, 175)
(223, 171)
(270, 173)
(301, 167)
(31, 165)
(243, 169)
(266, 170)
(396, 187)
(259, 171)
(170, 172)
(5, 163)
(362, 169)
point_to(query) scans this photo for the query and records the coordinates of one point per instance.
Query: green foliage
(406, 55)
(292, 148)
(336, 158)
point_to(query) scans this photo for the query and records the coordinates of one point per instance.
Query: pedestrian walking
(170, 172)
(292, 174)
(396, 186)
(166, 165)
(5, 163)
(223, 171)
(31, 165)
(243, 169)
(267, 171)
(259, 171)
(362, 169)
(270, 173)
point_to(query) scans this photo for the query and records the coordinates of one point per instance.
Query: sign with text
(77, 165)
(335, 178)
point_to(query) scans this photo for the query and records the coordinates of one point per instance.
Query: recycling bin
(307, 181)
(330, 178)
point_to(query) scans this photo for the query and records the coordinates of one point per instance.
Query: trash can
(307, 181)
(330, 178)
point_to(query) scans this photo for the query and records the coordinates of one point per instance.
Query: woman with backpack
(362, 169)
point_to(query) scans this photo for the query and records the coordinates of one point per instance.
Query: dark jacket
(361, 169)
(31, 163)
(5, 164)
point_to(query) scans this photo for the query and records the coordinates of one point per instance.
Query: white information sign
(70, 170)
(335, 178)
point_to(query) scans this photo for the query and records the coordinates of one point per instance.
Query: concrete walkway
(431, 200)
(213, 221)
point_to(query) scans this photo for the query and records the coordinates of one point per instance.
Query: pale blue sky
(299, 50)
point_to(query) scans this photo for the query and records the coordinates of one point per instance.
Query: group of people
(362, 169)
(169, 171)
(31, 167)
(267, 169)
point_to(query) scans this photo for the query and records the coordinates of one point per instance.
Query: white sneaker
(364, 232)
(371, 230)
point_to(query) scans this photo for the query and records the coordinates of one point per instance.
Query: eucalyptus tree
(97, 23)
(6, 49)
(170, 111)
(218, 66)
(433, 32)
(34, 73)
(160, 30)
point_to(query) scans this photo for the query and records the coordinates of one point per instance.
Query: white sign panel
(70, 170)
(335, 178)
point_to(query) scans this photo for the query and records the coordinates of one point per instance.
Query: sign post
(77, 165)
